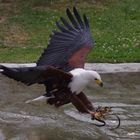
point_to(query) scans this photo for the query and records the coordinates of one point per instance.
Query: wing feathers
(62, 34)
(61, 27)
(86, 21)
(72, 19)
(32, 75)
(69, 27)
(73, 35)
(78, 17)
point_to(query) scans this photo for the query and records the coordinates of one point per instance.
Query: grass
(25, 27)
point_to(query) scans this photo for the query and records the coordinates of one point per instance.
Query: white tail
(38, 99)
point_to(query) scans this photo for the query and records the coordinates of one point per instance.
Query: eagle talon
(97, 116)
(100, 115)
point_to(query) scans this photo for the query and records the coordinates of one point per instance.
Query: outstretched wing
(32, 75)
(68, 47)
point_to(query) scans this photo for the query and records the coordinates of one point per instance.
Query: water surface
(20, 121)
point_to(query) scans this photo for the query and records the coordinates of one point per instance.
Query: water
(20, 121)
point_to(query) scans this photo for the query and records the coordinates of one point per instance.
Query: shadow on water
(20, 121)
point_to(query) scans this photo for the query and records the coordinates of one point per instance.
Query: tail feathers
(39, 99)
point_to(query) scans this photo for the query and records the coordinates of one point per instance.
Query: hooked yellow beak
(99, 82)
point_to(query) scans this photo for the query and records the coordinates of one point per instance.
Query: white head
(94, 76)
(82, 78)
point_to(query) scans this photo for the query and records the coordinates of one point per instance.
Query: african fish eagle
(61, 66)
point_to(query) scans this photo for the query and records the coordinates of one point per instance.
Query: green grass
(20, 55)
(25, 27)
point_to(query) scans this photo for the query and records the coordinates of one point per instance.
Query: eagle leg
(64, 96)
(86, 101)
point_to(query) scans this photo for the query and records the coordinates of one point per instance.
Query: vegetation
(25, 26)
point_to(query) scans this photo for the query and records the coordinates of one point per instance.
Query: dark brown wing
(32, 75)
(68, 47)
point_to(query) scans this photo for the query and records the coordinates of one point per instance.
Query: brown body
(80, 101)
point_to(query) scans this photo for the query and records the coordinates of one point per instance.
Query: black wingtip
(67, 10)
(74, 9)
(78, 17)
(86, 21)
(71, 18)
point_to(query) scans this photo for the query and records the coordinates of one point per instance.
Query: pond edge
(99, 67)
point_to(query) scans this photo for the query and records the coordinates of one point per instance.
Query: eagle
(60, 68)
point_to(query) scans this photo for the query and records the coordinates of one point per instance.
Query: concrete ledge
(12, 65)
(99, 67)
(113, 68)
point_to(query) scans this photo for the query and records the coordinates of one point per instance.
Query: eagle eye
(95, 78)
